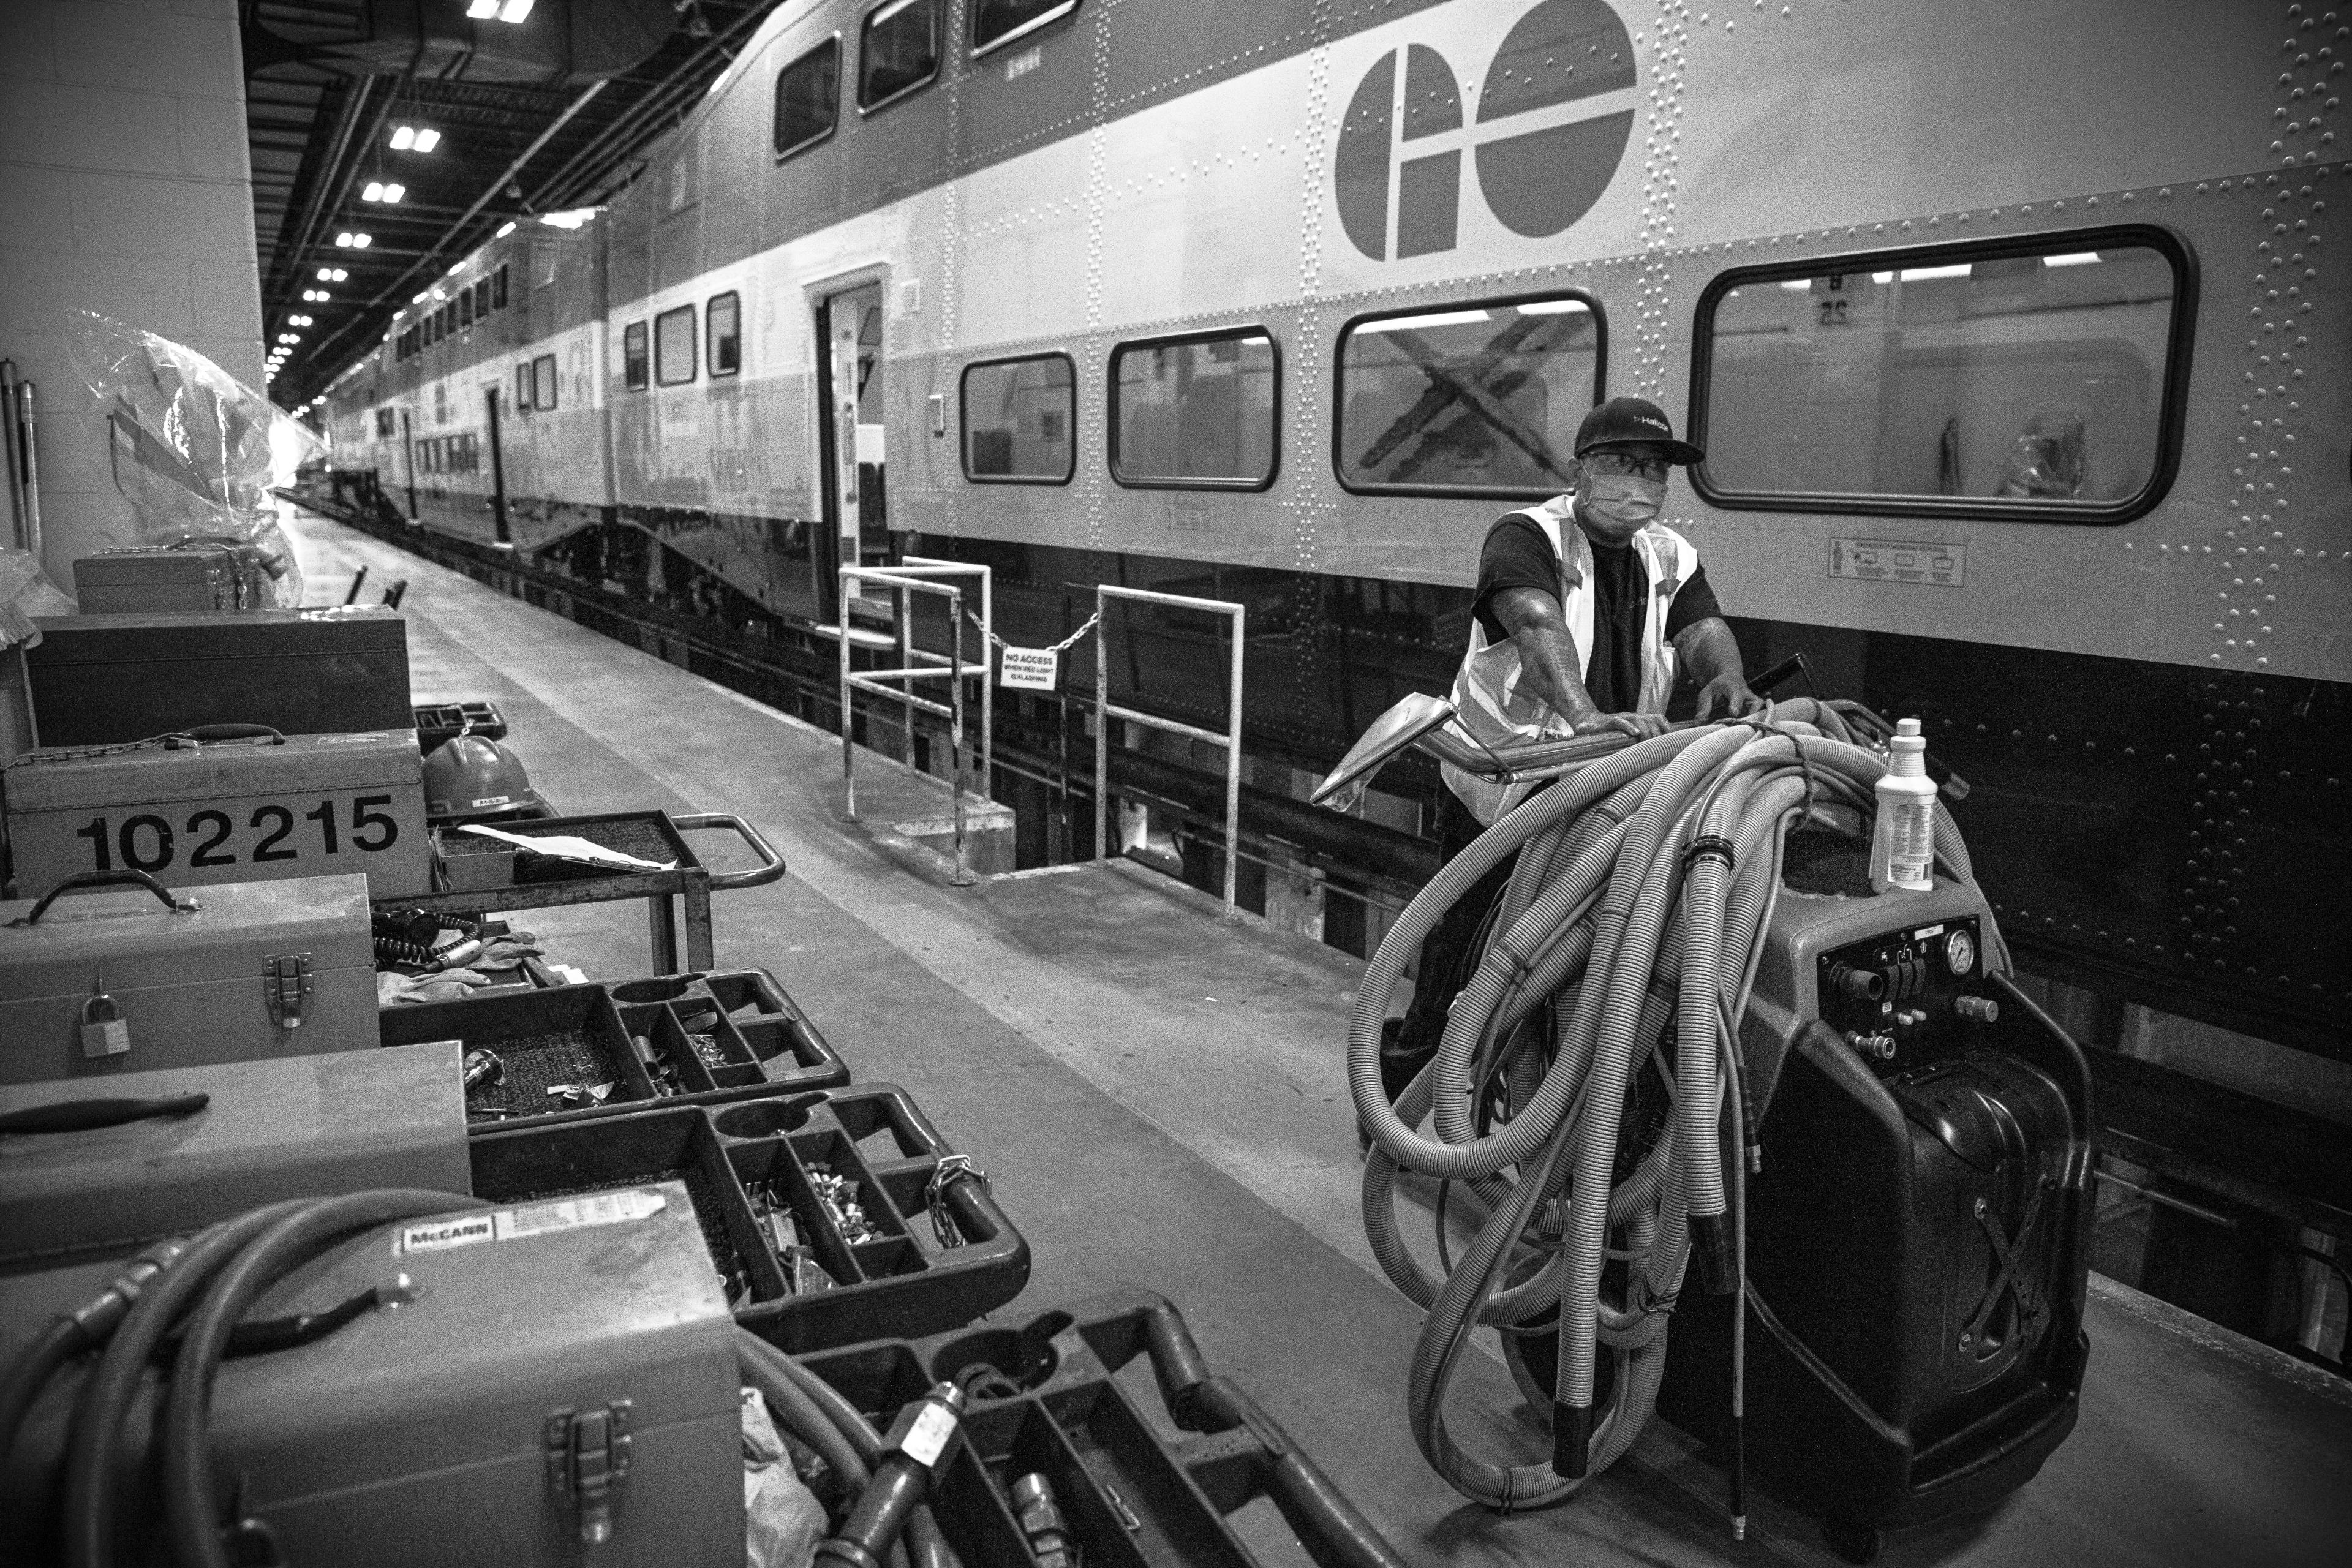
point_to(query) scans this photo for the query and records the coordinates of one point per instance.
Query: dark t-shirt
(1518, 555)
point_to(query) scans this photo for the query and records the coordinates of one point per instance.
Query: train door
(497, 465)
(408, 463)
(849, 369)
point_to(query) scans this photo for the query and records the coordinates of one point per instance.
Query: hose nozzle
(1571, 1440)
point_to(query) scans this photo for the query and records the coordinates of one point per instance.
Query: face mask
(1625, 499)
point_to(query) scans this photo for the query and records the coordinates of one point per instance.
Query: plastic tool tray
(820, 1208)
(437, 722)
(646, 834)
(713, 1038)
(1045, 1399)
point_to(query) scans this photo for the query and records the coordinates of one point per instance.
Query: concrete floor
(1160, 1100)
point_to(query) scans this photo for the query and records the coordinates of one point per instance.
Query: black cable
(30, 1373)
(91, 1468)
(290, 1240)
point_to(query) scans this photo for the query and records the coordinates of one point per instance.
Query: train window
(542, 382)
(808, 99)
(2041, 376)
(995, 22)
(1019, 415)
(722, 319)
(481, 298)
(522, 389)
(499, 287)
(1194, 412)
(898, 51)
(674, 346)
(464, 307)
(1480, 399)
(633, 355)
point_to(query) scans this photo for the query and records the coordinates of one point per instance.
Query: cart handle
(125, 877)
(772, 865)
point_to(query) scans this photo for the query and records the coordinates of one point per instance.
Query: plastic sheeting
(196, 451)
(26, 591)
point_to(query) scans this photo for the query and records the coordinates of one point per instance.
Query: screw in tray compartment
(839, 1195)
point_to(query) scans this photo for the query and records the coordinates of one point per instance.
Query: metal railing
(909, 672)
(933, 566)
(1104, 709)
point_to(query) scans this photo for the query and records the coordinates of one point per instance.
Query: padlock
(105, 1032)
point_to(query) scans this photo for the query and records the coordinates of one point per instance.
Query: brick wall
(124, 187)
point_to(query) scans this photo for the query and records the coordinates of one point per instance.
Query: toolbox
(114, 972)
(99, 681)
(205, 576)
(552, 1364)
(228, 803)
(855, 1180)
(1045, 1401)
(708, 1038)
(292, 1126)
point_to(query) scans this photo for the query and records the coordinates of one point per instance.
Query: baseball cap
(1622, 421)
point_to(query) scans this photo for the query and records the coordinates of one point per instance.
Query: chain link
(1059, 648)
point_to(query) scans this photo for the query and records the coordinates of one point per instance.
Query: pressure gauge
(1960, 952)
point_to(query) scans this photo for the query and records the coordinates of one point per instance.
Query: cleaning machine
(1703, 1074)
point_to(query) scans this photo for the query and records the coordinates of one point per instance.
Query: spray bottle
(1903, 843)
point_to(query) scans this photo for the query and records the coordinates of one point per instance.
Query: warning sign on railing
(1030, 669)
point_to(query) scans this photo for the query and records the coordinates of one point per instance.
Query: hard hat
(473, 778)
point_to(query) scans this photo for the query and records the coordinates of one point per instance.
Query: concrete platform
(1160, 1100)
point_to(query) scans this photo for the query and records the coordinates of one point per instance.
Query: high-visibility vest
(1486, 691)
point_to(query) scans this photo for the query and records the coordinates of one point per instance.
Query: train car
(2010, 330)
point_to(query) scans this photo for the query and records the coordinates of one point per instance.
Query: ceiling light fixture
(505, 229)
(374, 192)
(428, 139)
(362, 241)
(514, 10)
(343, 240)
(482, 10)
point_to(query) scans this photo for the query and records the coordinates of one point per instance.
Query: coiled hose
(1644, 885)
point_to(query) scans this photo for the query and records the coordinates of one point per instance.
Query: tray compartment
(771, 1164)
(899, 1275)
(567, 1033)
(1132, 1490)
(1114, 1446)
(523, 1164)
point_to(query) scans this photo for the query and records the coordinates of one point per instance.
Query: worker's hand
(1640, 726)
(1730, 696)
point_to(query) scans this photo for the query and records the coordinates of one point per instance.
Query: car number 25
(211, 836)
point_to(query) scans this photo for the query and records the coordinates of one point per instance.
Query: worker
(1576, 630)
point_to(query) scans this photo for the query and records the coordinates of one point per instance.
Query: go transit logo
(1543, 149)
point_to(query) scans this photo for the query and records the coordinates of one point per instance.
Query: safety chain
(935, 1197)
(1061, 646)
(91, 753)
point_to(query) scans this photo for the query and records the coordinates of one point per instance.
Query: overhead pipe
(441, 245)
(656, 103)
